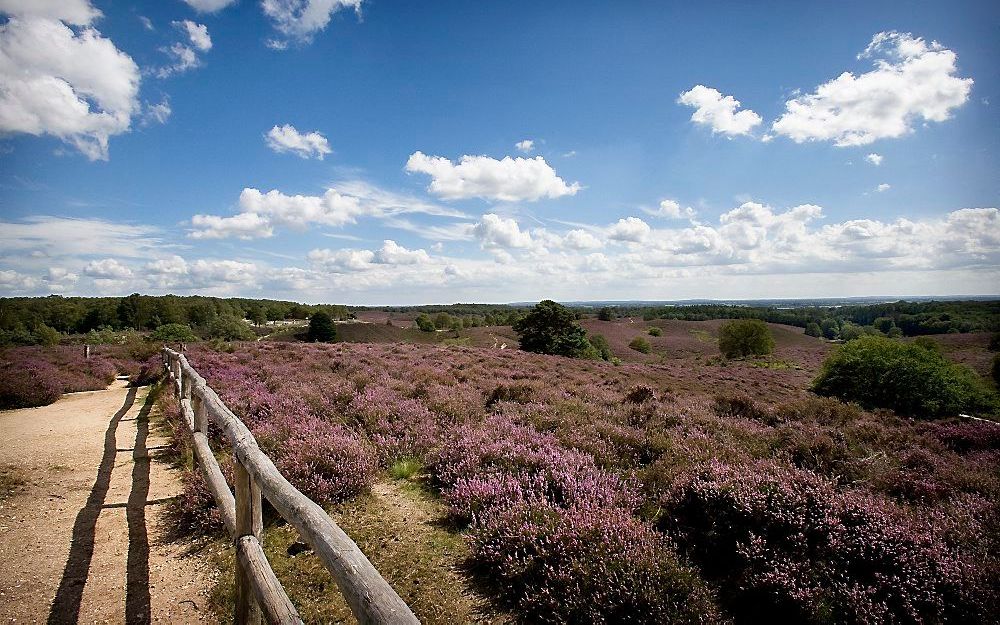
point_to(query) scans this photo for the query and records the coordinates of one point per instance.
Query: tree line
(43, 320)
(893, 318)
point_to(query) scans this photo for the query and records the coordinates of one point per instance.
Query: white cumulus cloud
(241, 226)
(75, 12)
(391, 253)
(581, 240)
(300, 20)
(494, 231)
(506, 180)
(671, 209)
(719, 112)
(630, 229)
(72, 84)
(885, 186)
(197, 34)
(527, 146)
(874, 159)
(109, 268)
(287, 138)
(913, 80)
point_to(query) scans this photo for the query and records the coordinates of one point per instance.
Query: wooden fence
(258, 591)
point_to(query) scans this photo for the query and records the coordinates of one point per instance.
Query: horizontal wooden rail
(370, 597)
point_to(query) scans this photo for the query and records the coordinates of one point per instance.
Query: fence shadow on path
(66, 605)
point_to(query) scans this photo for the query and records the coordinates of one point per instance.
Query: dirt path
(86, 539)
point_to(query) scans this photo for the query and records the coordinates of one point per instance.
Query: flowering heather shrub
(25, 385)
(499, 462)
(399, 428)
(322, 458)
(742, 406)
(36, 376)
(968, 435)
(785, 545)
(588, 565)
(640, 393)
(327, 463)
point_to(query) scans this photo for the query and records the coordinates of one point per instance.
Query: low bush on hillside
(913, 379)
(654, 331)
(640, 345)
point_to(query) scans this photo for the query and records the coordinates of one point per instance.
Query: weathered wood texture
(248, 524)
(371, 598)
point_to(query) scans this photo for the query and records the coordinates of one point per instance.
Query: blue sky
(388, 152)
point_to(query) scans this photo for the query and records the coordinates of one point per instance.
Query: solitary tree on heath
(551, 328)
(745, 337)
(321, 328)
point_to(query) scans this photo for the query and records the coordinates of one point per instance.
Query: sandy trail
(87, 539)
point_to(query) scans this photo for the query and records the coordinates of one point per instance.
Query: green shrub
(641, 345)
(174, 333)
(812, 329)
(600, 345)
(909, 378)
(654, 331)
(745, 337)
(425, 323)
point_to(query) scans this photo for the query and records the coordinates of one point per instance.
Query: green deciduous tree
(745, 337)
(230, 328)
(551, 328)
(174, 333)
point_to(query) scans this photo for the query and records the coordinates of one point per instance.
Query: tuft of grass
(773, 363)
(402, 530)
(703, 336)
(405, 469)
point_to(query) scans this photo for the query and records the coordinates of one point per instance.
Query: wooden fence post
(200, 416)
(86, 352)
(248, 523)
